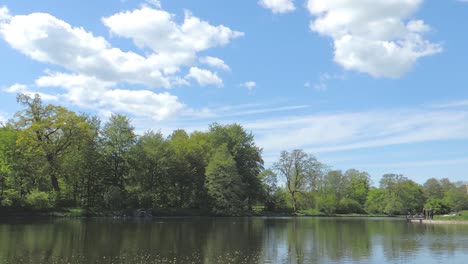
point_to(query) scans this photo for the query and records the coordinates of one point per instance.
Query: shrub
(326, 203)
(348, 206)
(38, 200)
(10, 198)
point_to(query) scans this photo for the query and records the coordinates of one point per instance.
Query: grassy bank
(460, 216)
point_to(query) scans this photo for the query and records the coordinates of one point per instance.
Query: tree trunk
(293, 195)
(55, 184)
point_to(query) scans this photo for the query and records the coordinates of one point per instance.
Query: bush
(348, 206)
(281, 199)
(38, 200)
(326, 203)
(10, 198)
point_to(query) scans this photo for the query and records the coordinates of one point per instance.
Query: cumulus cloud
(249, 85)
(215, 63)
(204, 77)
(89, 92)
(177, 44)
(24, 89)
(96, 69)
(375, 37)
(47, 39)
(4, 14)
(278, 6)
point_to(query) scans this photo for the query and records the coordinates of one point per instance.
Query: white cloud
(3, 118)
(205, 77)
(249, 85)
(375, 37)
(16, 88)
(89, 92)
(278, 6)
(419, 163)
(215, 63)
(157, 30)
(48, 39)
(97, 69)
(4, 14)
(22, 88)
(155, 3)
(323, 80)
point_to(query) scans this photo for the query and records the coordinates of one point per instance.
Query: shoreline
(437, 222)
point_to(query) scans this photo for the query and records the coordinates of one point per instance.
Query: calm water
(232, 240)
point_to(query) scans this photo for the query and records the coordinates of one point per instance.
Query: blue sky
(375, 85)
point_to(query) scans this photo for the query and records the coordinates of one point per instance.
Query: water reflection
(231, 240)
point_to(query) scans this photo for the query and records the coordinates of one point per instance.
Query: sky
(376, 85)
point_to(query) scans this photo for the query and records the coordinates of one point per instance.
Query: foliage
(224, 183)
(38, 200)
(437, 205)
(348, 206)
(11, 198)
(375, 200)
(53, 158)
(300, 171)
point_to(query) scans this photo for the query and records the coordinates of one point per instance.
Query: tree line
(53, 158)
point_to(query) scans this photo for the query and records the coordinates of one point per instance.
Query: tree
(199, 148)
(118, 139)
(7, 150)
(246, 154)
(300, 171)
(456, 198)
(358, 186)
(49, 131)
(376, 200)
(181, 169)
(401, 194)
(269, 181)
(149, 182)
(437, 205)
(224, 183)
(433, 189)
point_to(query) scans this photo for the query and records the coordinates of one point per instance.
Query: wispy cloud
(322, 83)
(336, 132)
(418, 163)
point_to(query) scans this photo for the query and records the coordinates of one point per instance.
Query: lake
(231, 240)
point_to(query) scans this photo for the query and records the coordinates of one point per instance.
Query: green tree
(7, 150)
(118, 138)
(358, 186)
(376, 200)
(402, 195)
(246, 154)
(456, 198)
(149, 181)
(433, 189)
(181, 170)
(49, 132)
(224, 183)
(199, 150)
(300, 172)
(269, 181)
(439, 206)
